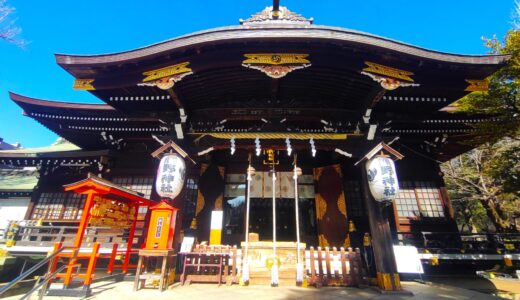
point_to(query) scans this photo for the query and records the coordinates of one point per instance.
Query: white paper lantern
(382, 178)
(170, 176)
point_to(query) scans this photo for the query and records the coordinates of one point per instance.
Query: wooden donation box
(161, 227)
(159, 243)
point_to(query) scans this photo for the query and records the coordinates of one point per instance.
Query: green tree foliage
(502, 101)
(485, 182)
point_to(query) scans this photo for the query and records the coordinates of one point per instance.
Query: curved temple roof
(334, 88)
(245, 33)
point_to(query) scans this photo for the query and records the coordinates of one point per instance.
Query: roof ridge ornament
(281, 16)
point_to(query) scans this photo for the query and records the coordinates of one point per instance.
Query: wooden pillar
(130, 241)
(78, 239)
(85, 217)
(382, 244)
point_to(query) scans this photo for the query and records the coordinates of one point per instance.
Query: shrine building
(272, 92)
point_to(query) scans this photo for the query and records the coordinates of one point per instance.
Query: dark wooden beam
(382, 243)
(176, 99)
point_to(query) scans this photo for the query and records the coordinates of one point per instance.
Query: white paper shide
(170, 176)
(382, 178)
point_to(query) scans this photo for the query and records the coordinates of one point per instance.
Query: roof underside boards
(90, 126)
(220, 80)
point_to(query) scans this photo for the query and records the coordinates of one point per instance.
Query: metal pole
(274, 212)
(297, 209)
(299, 265)
(274, 268)
(245, 262)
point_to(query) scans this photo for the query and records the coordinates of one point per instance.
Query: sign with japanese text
(382, 178)
(170, 176)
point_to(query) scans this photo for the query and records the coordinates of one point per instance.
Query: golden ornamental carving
(276, 65)
(389, 83)
(218, 203)
(321, 207)
(322, 240)
(389, 78)
(200, 203)
(83, 85)
(283, 15)
(388, 71)
(342, 207)
(346, 243)
(165, 78)
(476, 85)
(276, 59)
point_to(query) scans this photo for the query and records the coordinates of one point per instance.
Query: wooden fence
(47, 236)
(216, 264)
(333, 267)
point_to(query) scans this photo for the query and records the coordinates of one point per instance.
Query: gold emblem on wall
(342, 207)
(476, 85)
(270, 158)
(321, 207)
(322, 240)
(389, 78)
(83, 85)
(165, 78)
(276, 65)
(200, 203)
(218, 203)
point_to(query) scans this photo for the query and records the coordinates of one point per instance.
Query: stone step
(266, 280)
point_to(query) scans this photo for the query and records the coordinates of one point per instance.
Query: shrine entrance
(262, 215)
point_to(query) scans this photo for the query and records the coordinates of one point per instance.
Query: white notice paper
(407, 260)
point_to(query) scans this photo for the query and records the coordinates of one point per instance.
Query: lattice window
(354, 198)
(140, 184)
(191, 201)
(57, 206)
(419, 198)
(406, 201)
(429, 199)
(74, 207)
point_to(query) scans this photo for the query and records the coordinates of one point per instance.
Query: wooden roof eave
(24, 101)
(97, 185)
(75, 63)
(58, 155)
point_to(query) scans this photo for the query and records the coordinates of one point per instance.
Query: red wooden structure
(162, 227)
(98, 190)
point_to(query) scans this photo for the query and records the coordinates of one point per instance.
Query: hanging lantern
(170, 176)
(382, 178)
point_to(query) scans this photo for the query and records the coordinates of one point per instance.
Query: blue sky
(101, 26)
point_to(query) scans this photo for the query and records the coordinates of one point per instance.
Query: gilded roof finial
(276, 14)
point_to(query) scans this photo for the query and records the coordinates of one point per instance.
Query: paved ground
(123, 290)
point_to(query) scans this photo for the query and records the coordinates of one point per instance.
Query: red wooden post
(130, 241)
(83, 223)
(53, 263)
(72, 262)
(110, 267)
(91, 264)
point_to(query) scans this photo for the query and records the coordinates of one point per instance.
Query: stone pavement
(123, 290)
